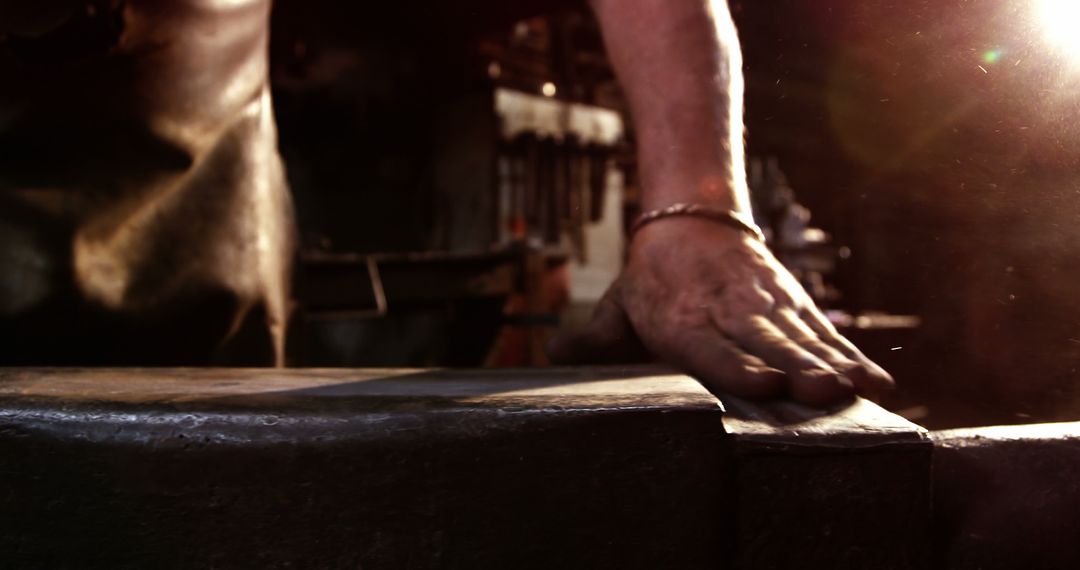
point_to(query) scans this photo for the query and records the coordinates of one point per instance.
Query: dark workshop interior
(464, 177)
(279, 281)
(929, 141)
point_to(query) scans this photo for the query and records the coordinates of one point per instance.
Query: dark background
(952, 179)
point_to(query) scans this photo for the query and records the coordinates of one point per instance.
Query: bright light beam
(1060, 20)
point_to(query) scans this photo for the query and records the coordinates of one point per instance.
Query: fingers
(707, 355)
(609, 337)
(877, 381)
(811, 380)
(753, 356)
(701, 351)
(788, 321)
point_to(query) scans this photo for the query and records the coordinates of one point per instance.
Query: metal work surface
(1007, 497)
(541, 468)
(837, 489)
(343, 468)
(552, 389)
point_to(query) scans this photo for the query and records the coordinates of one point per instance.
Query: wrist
(722, 192)
(668, 238)
(717, 215)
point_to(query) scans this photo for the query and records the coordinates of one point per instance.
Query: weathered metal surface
(1007, 497)
(576, 468)
(361, 469)
(848, 488)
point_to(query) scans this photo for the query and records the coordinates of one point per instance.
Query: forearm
(680, 65)
(696, 294)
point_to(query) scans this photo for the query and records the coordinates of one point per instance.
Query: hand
(717, 304)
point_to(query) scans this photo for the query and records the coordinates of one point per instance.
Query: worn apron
(144, 214)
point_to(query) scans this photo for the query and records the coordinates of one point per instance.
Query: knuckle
(760, 327)
(785, 291)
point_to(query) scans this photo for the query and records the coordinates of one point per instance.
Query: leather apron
(144, 213)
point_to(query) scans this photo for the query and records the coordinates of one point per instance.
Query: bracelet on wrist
(720, 215)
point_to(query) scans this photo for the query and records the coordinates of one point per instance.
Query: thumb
(608, 338)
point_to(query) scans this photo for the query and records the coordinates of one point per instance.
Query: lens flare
(990, 57)
(1060, 20)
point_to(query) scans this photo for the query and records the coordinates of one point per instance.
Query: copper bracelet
(726, 217)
